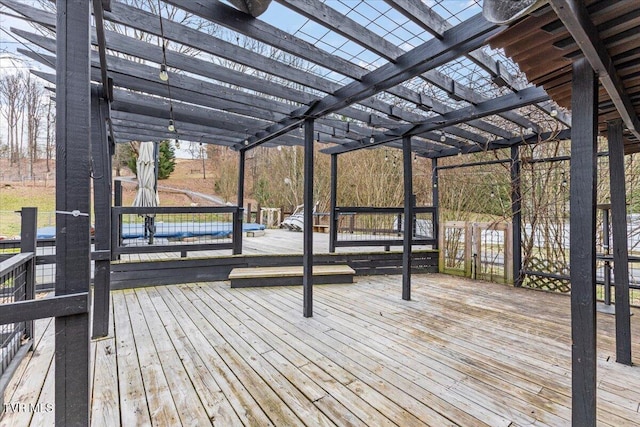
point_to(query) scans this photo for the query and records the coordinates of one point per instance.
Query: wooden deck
(461, 353)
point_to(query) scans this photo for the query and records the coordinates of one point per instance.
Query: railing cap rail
(15, 261)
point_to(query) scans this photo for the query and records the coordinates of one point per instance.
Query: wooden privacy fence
(477, 249)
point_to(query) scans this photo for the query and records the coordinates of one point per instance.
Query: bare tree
(50, 138)
(12, 99)
(34, 100)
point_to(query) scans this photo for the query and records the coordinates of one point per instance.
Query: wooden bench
(287, 276)
(321, 228)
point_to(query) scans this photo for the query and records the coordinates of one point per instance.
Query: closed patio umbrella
(147, 195)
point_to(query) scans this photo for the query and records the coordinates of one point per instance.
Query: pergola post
(29, 243)
(407, 239)
(237, 238)
(307, 258)
(435, 201)
(73, 133)
(583, 242)
(333, 201)
(102, 204)
(620, 245)
(516, 216)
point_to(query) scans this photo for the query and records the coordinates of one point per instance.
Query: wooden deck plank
(405, 377)
(187, 403)
(239, 354)
(162, 408)
(134, 408)
(219, 410)
(44, 415)
(326, 374)
(460, 353)
(234, 390)
(467, 349)
(390, 401)
(29, 387)
(41, 328)
(105, 404)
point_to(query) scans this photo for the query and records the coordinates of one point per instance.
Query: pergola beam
(98, 15)
(138, 48)
(507, 102)
(428, 19)
(332, 19)
(467, 35)
(506, 143)
(576, 20)
(231, 18)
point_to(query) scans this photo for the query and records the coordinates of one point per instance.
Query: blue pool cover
(176, 230)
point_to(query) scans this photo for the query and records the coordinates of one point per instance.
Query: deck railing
(16, 284)
(383, 226)
(138, 230)
(45, 260)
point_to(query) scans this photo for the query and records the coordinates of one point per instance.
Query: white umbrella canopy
(146, 196)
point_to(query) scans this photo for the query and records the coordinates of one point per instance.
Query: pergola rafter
(383, 117)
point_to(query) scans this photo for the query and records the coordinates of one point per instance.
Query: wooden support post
(620, 245)
(583, 243)
(333, 201)
(435, 201)
(29, 243)
(241, 162)
(606, 237)
(237, 245)
(307, 258)
(516, 218)
(237, 231)
(116, 233)
(102, 205)
(73, 133)
(407, 240)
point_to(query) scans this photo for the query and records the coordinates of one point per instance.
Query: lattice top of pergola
(367, 72)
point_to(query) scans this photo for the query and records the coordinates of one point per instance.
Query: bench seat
(288, 276)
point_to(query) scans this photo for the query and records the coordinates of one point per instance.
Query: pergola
(405, 76)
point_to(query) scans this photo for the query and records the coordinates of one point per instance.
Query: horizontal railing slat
(54, 306)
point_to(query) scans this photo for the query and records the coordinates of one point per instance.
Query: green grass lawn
(13, 198)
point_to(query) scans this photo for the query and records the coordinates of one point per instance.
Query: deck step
(287, 276)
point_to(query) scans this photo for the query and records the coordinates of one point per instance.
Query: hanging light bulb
(172, 126)
(443, 137)
(164, 76)
(246, 142)
(372, 140)
(554, 112)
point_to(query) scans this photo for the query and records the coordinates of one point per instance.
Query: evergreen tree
(166, 160)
